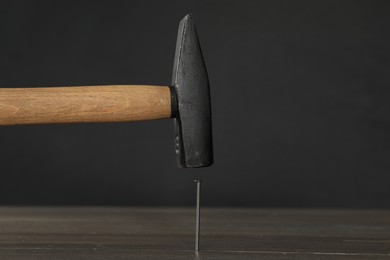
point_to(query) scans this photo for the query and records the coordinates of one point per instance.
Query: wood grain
(114, 103)
(168, 233)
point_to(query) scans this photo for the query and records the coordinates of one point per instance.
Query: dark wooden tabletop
(168, 233)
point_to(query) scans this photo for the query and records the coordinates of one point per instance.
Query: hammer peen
(187, 100)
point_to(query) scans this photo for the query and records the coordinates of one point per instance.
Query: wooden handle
(116, 103)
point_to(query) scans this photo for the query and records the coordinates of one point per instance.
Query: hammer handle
(87, 104)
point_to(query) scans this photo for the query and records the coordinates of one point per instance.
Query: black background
(300, 103)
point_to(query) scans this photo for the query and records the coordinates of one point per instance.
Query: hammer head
(193, 135)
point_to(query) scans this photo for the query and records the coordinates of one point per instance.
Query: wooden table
(168, 233)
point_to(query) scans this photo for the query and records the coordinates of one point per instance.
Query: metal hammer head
(193, 135)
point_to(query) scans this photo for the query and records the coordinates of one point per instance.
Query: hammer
(187, 101)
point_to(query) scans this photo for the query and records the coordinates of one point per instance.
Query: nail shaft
(197, 230)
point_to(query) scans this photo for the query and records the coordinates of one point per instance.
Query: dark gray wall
(300, 96)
